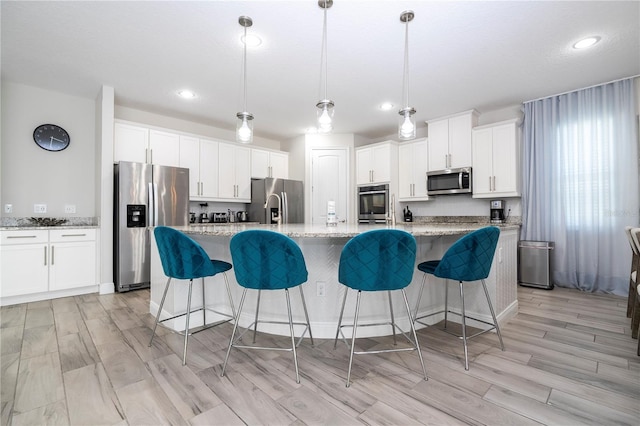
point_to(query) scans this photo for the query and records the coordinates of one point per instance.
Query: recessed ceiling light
(252, 40)
(386, 106)
(187, 94)
(586, 42)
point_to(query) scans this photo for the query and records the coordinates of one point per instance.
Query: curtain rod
(584, 88)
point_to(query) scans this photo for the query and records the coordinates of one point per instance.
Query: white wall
(33, 175)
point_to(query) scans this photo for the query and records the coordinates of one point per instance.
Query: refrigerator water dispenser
(136, 215)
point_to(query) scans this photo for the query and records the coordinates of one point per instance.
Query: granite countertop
(341, 230)
(25, 223)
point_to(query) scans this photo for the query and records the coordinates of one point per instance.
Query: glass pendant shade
(325, 116)
(244, 127)
(407, 124)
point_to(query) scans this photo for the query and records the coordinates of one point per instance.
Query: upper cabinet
(234, 173)
(496, 160)
(373, 163)
(412, 171)
(449, 143)
(200, 156)
(142, 145)
(266, 164)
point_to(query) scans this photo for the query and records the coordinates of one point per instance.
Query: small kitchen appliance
(497, 211)
(242, 216)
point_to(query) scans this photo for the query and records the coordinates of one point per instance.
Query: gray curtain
(580, 183)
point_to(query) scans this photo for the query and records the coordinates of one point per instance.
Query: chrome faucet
(279, 218)
(392, 210)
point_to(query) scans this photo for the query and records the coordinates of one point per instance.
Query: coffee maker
(497, 211)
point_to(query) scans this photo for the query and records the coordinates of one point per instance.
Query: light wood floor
(84, 360)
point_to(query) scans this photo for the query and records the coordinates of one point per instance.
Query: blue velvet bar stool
(267, 260)
(377, 261)
(184, 259)
(468, 259)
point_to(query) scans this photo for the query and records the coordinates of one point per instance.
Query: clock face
(51, 137)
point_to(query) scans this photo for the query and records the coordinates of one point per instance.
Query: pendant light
(325, 106)
(407, 125)
(244, 126)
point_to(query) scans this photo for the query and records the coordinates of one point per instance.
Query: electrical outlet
(8, 208)
(39, 208)
(70, 208)
(320, 288)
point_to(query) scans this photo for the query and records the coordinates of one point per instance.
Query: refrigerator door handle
(285, 207)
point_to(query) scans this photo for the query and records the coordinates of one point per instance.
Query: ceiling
(485, 55)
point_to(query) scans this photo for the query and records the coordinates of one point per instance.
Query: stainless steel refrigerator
(288, 194)
(144, 195)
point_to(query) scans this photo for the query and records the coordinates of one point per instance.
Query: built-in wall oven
(373, 203)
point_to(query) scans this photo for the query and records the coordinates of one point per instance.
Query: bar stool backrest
(470, 258)
(182, 257)
(267, 260)
(382, 259)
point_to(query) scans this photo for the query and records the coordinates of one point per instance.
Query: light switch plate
(8, 208)
(39, 208)
(70, 208)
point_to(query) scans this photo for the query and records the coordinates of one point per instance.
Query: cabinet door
(405, 171)
(190, 158)
(208, 169)
(259, 163)
(438, 144)
(226, 171)
(363, 166)
(460, 141)
(164, 148)
(24, 269)
(505, 159)
(279, 165)
(482, 168)
(72, 265)
(243, 174)
(381, 163)
(130, 143)
(419, 170)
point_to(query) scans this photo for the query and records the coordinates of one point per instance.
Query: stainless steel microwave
(449, 181)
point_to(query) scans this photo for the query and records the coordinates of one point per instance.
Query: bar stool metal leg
(424, 278)
(233, 333)
(493, 314)
(233, 309)
(255, 323)
(204, 306)
(415, 336)
(344, 302)
(353, 338)
(464, 329)
(164, 295)
(186, 327)
(446, 301)
(306, 316)
(293, 339)
(393, 322)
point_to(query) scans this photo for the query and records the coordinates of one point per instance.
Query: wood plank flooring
(84, 360)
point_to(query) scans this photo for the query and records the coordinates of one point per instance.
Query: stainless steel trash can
(534, 259)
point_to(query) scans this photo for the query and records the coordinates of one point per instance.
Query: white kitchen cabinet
(24, 259)
(449, 143)
(373, 163)
(42, 262)
(143, 145)
(234, 173)
(200, 156)
(496, 160)
(412, 171)
(269, 164)
(72, 258)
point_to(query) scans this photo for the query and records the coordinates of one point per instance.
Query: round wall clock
(51, 137)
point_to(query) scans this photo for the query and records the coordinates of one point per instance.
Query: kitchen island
(321, 246)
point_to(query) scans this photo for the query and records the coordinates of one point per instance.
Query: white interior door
(328, 182)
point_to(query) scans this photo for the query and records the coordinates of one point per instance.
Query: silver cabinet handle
(45, 255)
(490, 184)
(20, 236)
(151, 156)
(53, 252)
(74, 235)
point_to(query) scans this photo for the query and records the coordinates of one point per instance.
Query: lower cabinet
(43, 261)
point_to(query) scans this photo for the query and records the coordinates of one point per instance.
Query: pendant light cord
(244, 70)
(405, 78)
(323, 54)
